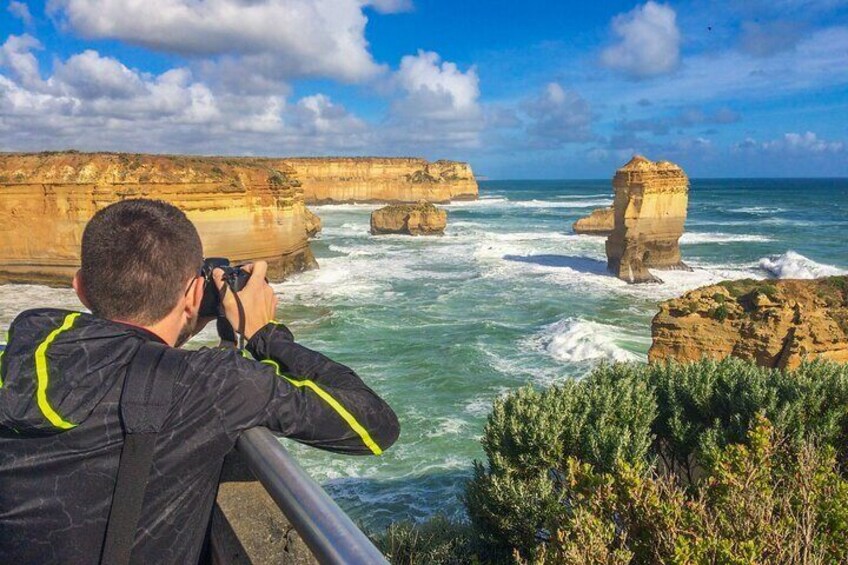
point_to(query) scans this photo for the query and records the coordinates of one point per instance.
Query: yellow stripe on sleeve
(326, 397)
(43, 376)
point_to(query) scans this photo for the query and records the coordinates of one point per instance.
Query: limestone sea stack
(332, 180)
(650, 209)
(243, 209)
(422, 218)
(599, 222)
(776, 323)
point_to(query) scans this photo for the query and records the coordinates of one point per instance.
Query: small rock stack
(422, 218)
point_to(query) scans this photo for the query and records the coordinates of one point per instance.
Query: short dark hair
(137, 256)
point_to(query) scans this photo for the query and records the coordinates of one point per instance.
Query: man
(63, 373)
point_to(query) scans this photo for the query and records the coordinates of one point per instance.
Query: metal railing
(327, 531)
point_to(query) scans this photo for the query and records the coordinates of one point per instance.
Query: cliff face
(599, 222)
(243, 209)
(775, 323)
(378, 179)
(650, 209)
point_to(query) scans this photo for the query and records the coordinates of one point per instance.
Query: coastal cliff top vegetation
(708, 462)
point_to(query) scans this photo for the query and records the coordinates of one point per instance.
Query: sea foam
(575, 340)
(792, 265)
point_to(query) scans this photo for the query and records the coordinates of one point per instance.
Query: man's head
(138, 258)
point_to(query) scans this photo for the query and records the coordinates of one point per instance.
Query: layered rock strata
(774, 323)
(599, 222)
(422, 218)
(243, 209)
(650, 209)
(328, 180)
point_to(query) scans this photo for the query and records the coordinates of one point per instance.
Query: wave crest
(793, 265)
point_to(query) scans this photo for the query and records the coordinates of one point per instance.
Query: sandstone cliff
(242, 208)
(422, 218)
(599, 222)
(775, 323)
(650, 209)
(328, 180)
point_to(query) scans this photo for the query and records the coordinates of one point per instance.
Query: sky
(521, 90)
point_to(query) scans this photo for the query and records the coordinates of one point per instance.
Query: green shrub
(530, 437)
(633, 456)
(438, 541)
(720, 313)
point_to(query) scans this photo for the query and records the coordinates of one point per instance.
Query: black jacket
(61, 437)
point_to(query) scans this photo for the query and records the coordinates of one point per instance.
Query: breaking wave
(792, 265)
(575, 340)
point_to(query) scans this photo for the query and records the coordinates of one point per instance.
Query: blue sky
(536, 89)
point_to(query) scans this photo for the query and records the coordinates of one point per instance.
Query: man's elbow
(388, 429)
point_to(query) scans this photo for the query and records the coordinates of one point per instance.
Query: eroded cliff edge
(775, 323)
(329, 180)
(244, 209)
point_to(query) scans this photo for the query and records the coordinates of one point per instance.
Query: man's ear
(80, 289)
(195, 297)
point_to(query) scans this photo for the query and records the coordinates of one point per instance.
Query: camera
(235, 277)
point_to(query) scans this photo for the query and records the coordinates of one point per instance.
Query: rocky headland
(333, 180)
(775, 323)
(243, 209)
(649, 212)
(422, 218)
(600, 222)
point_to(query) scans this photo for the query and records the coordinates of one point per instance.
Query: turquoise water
(442, 326)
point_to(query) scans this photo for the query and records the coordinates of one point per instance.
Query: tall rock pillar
(650, 210)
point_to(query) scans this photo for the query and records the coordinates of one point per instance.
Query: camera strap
(145, 402)
(240, 308)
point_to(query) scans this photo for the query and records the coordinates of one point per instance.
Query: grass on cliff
(710, 462)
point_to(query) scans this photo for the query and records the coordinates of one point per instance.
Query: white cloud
(16, 55)
(391, 6)
(649, 42)
(797, 144)
(558, 116)
(20, 11)
(438, 90)
(95, 102)
(88, 75)
(281, 39)
(439, 103)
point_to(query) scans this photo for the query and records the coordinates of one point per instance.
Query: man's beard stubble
(186, 332)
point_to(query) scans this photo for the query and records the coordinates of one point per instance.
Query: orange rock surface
(599, 222)
(243, 209)
(775, 323)
(328, 180)
(650, 205)
(422, 218)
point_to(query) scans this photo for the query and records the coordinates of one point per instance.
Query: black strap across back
(145, 402)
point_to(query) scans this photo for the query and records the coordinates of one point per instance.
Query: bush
(720, 313)
(633, 456)
(531, 436)
(437, 541)
(709, 462)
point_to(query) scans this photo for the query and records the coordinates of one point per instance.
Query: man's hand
(257, 299)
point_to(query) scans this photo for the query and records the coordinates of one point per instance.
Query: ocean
(508, 297)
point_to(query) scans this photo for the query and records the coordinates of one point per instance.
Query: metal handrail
(327, 531)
